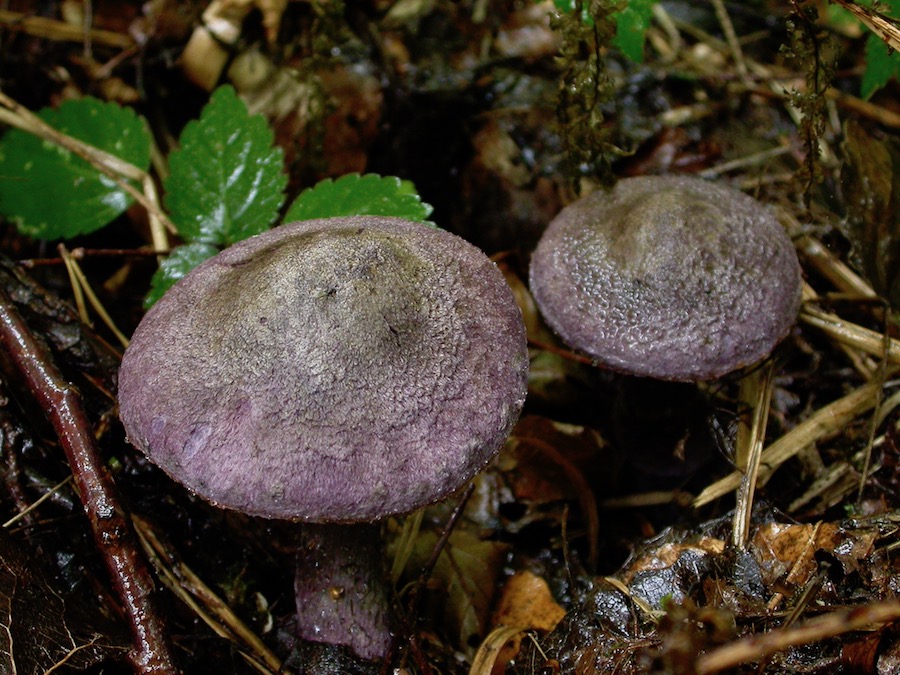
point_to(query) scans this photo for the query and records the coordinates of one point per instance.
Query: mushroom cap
(334, 370)
(671, 277)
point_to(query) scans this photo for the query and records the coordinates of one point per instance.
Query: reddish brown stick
(112, 531)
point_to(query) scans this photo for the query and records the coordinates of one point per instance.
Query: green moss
(814, 52)
(585, 85)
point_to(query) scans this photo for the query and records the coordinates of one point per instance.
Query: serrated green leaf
(181, 260)
(882, 64)
(51, 193)
(226, 182)
(357, 195)
(632, 23)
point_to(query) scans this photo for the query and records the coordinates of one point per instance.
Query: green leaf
(51, 193)
(226, 182)
(882, 64)
(632, 23)
(181, 260)
(356, 195)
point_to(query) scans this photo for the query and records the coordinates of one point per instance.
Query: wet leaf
(39, 628)
(670, 571)
(525, 602)
(871, 182)
(548, 461)
(227, 180)
(787, 553)
(52, 193)
(466, 579)
(358, 195)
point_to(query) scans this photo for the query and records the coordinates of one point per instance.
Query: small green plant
(632, 22)
(226, 181)
(349, 195)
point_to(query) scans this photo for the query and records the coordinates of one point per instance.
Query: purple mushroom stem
(341, 588)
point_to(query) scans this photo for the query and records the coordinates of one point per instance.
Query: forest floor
(745, 524)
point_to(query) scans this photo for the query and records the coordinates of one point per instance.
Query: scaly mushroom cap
(669, 277)
(330, 370)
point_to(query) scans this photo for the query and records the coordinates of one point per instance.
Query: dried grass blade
(827, 420)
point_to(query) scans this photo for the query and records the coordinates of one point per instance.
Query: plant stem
(112, 532)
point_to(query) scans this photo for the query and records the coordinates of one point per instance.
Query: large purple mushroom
(330, 371)
(674, 278)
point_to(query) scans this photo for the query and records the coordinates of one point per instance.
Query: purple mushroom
(334, 372)
(674, 278)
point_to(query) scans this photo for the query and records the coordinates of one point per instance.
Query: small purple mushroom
(330, 371)
(674, 278)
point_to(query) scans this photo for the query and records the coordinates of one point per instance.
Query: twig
(81, 253)
(586, 497)
(824, 421)
(830, 625)
(40, 500)
(731, 37)
(881, 25)
(837, 272)
(863, 363)
(853, 335)
(428, 567)
(82, 287)
(415, 597)
(880, 114)
(753, 159)
(51, 29)
(77, 292)
(112, 533)
(489, 651)
(185, 583)
(565, 353)
(758, 386)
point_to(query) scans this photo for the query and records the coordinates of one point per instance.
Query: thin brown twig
(82, 287)
(565, 353)
(758, 386)
(827, 419)
(82, 253)
(112, 532)
(731, 37)
(185, 583)
(586, 497)
(52, 29)
(757, 647)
